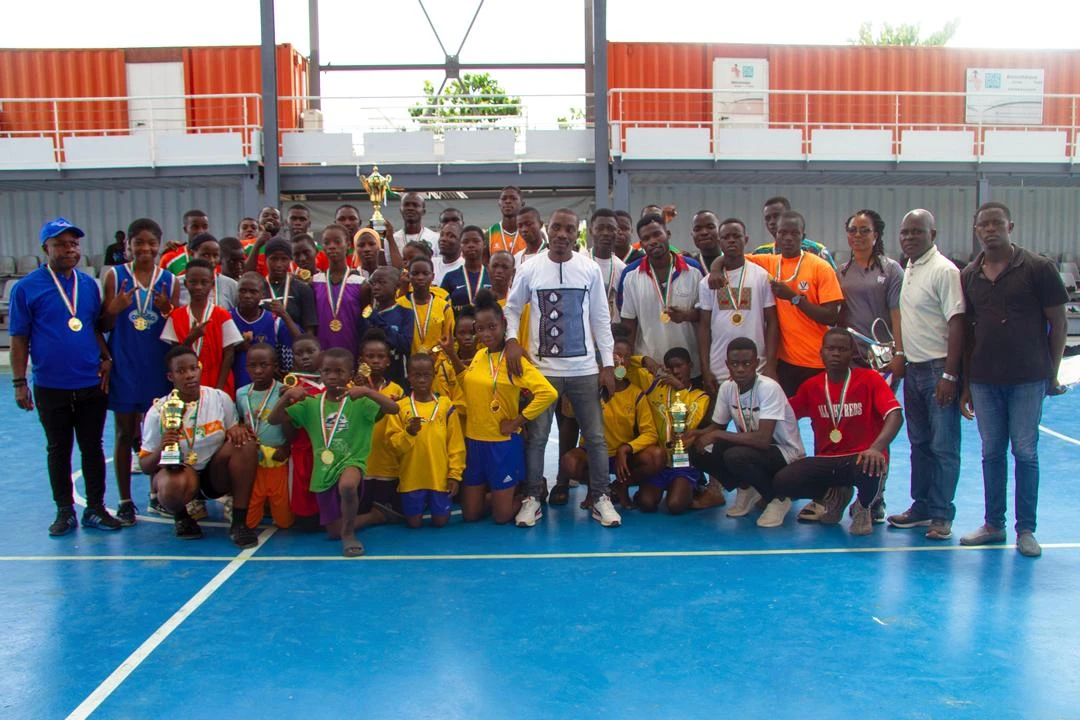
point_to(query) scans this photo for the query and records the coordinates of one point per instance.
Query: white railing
(809, 110)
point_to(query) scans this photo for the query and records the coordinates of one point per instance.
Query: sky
(352, 31)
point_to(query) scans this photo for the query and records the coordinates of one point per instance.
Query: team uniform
(432, 321)
(266, 328)
(338, 310)
(429, 458)
(202, 434)
(660, 398)
(499, 240)
(628, 420)
(348, 425)
(462, 285)
(272, 476)
(396, 322)
(220, 333)
(380, 484)
(135, 344)
(808, 245)
(489, 395)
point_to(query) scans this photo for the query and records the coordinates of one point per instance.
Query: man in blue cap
(54, 316)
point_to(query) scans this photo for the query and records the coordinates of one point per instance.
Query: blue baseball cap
(56, 226)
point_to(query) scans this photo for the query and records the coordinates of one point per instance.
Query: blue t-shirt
(264, 329)
(62, 358)
(454, 284)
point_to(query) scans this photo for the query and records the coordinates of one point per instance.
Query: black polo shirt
(1012, 339)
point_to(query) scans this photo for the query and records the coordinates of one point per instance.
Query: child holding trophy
(191, 441)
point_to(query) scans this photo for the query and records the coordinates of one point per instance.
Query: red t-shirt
(868, 401)
(301, 500)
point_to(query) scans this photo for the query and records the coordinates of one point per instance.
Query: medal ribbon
(502, 239)
(738, 403)
(427, 318)
(416, 413)
(284, 298)
(337, 419)
(255, 418)
(468, 286)
(798, 266)
(665, 296)
(836, 417)
(197, 347)
(143, 306)
(742, 281)
(494, 369)
(335, 306)
(73, 304)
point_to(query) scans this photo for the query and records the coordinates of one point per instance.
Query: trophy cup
(679, 457)
(376, 185)
(172, 418)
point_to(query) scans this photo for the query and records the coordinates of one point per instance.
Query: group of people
(358, 378)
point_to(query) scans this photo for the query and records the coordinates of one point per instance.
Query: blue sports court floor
(697, 616)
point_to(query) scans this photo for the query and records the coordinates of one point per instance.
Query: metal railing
(810, 110)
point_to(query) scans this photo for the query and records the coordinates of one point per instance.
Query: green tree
(474, 98)
(904, 34)
(575, 118)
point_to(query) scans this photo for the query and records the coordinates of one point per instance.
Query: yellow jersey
(432, 456)
(490, 395)
(382, 462)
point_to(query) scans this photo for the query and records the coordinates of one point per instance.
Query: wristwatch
(796, 300)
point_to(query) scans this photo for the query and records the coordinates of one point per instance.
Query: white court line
(1059, 436)
(121, 673)
(527, 556)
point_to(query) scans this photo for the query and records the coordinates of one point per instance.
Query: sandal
(392, 515)
(351, 548)
(559, 495)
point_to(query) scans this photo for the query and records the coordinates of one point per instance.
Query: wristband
(796, 300)
(18, 382)
(950, 378)
(900, 353)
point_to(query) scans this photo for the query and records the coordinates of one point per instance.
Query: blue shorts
(498, 465)
(414, 502)
(665, 477)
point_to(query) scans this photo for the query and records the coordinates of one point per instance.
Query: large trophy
(172, 418)
(376, 185)
(679, 457)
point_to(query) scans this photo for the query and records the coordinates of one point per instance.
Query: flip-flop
(391, 514)
(351, 548)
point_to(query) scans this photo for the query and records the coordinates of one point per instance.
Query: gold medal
(304, 274)
(192, 458)
(665, 318)
(364, 370)
(290, 380)
(736, 319)
(140, 323)
(335, 325)
(327, 456)
(835, 436)
(366, 313)
(494, 406)
(620, 372)
(75, 324)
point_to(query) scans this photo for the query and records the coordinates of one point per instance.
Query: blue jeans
(934, 433)
(1010, 414)
(583, 393)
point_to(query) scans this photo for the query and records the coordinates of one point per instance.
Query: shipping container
(829, 68)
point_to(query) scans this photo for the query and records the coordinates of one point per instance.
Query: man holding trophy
(191, 440)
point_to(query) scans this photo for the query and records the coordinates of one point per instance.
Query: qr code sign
(993, 81)
(748, 71)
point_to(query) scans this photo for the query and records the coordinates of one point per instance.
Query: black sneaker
(99, 519)
(126, 513)
(187, 529)
(157, 508)
(64, 523)
(243, 536)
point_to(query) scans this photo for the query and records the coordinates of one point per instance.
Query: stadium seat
(26, 265)
(5, 297)
(1070, 268)
(7, 265)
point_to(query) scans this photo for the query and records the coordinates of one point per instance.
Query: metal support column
(600, 88)
(621, 190)
(314, 73)
(982, 195)
(268, 57)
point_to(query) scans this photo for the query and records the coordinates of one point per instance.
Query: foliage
(905, 34)
(575, 118)
(458, 102)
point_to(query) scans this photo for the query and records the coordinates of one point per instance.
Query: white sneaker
(774, 513)
(226, 505)
(745, 500)
(605, 512)
(529, 513)
(197, 509)
(136, 468)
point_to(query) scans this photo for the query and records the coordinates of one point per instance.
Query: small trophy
(172, 418)
(679, 456)
(376, 185)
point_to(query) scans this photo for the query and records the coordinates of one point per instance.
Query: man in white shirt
(742, 306)
(569, 322)
(413, 209)
(659, 295)
(932, 315)
(449, 256)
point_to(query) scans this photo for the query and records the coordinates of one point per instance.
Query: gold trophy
(679, 410)
(172, 418)
(376, 185)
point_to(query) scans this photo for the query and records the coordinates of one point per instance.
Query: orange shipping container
(836, 68)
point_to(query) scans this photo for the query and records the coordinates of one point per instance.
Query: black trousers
(736, 465)
(791, 376)
(68, 415)
(810, 477)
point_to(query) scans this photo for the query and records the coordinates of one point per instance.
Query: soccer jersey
(396, 322)
(499, 240)
(808, 245)
(220, 333)
(627, 421)
(660, 398)
(436, 453)
(263, 329)
(462, 285)
(861, 416)
(765, 400)
(432, 322)
(487, 381)
(812, 277)
(345, 297)
(351, 441)
(138, 371)
(382, 461)
(203, 431)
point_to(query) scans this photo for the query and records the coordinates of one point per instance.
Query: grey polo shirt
(870, 293)
(1012, 340)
